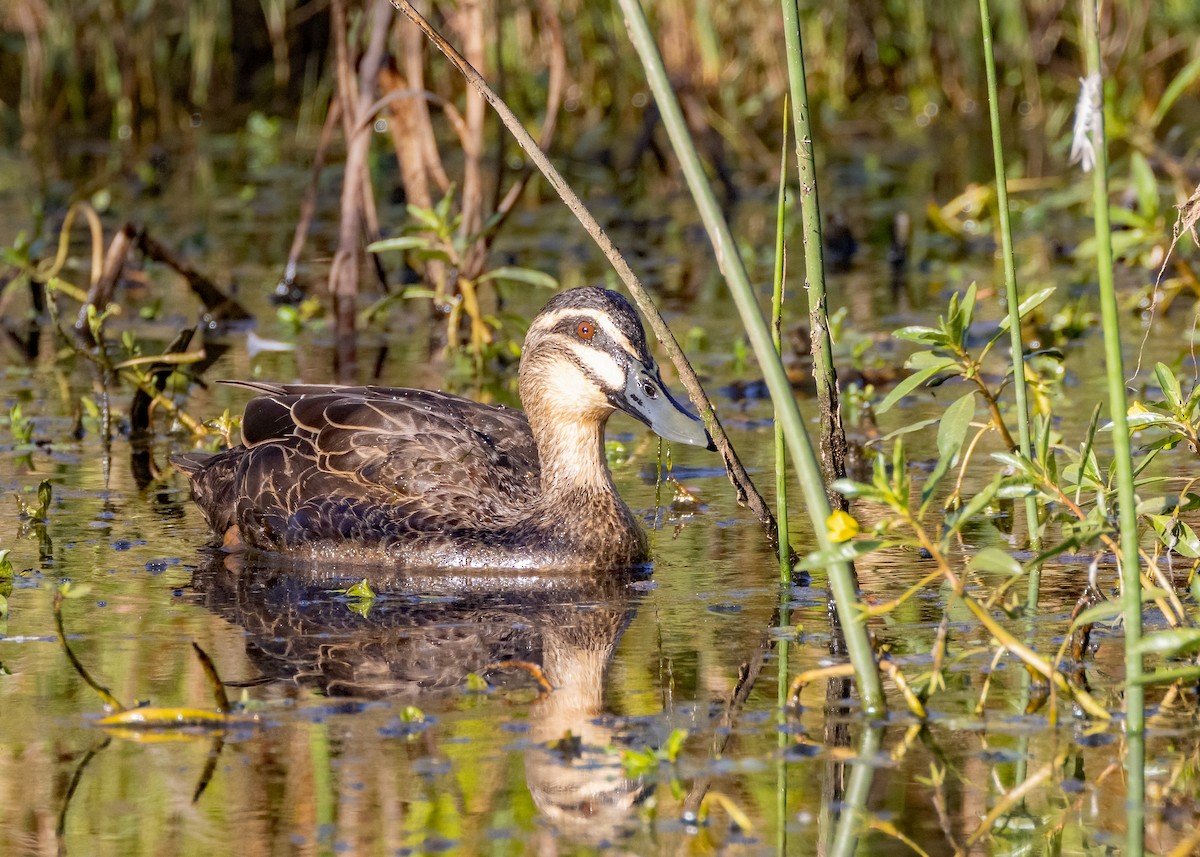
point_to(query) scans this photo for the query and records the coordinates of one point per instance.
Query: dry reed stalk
(356, 96)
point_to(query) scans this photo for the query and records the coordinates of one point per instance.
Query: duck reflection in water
(425, 635)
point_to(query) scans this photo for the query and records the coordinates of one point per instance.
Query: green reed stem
(783, 686)
(1115, 368)
(1012, 293)
(729, 261)
(833, 434)
(781, 509)
(1135, 714)
(854, 803)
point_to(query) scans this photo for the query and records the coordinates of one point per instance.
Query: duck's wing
(396, 445)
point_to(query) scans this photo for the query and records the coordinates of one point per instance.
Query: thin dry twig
(747, 494)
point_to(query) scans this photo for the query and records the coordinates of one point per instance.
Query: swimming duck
(421, 478)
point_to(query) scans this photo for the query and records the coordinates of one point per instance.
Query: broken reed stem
(729, 260)
(741, 481)
(833, 433)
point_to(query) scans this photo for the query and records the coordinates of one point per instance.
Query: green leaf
(1028, 305)
(1178, 85)
(973, 507)
(1170, 386)
(1098, 613)
(911, 383)
(402, 242)
(1176, 535)
(997, 560)
(1111, 609)
(1017, 489)
(362, 589)
(923, 335)
(1169, 675)
(674, 744)
(528, 276)
(955, 422)
(852, 489)
(1150, 418)
(908, 429)
(951, 434)
(425, 217)
(1145, 185)
(966, 315)
(1014, 460)
(844, 552)
(1170, 642)
(925, 359)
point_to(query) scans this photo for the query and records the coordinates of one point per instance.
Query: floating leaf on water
(362, 589)
(412, 714)
(173, 718)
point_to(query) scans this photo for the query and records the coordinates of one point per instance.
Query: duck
(424, 479)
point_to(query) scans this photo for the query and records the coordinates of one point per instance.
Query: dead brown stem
(308, 205)
(101, 291)
(217, 305)
(343, 273)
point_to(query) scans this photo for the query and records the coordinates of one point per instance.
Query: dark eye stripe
(587, 371)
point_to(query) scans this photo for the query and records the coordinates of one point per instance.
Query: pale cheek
(602, 365)
(570, 389)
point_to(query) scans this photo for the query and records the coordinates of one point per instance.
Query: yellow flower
(1136, 409)
(841, 527)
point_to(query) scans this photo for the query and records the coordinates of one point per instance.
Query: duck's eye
(585, 330)
(649, 390)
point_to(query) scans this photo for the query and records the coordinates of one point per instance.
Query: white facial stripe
(601, 365)
(616, 335)
(549, 321)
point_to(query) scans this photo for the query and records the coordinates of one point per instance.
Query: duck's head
(585, 356)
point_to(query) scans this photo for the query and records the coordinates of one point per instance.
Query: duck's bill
(647, 399)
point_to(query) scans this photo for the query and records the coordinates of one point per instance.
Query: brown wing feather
(368, 463)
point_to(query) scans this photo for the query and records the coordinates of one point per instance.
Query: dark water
(417, 723)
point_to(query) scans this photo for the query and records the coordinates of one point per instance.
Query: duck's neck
(572, 457)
